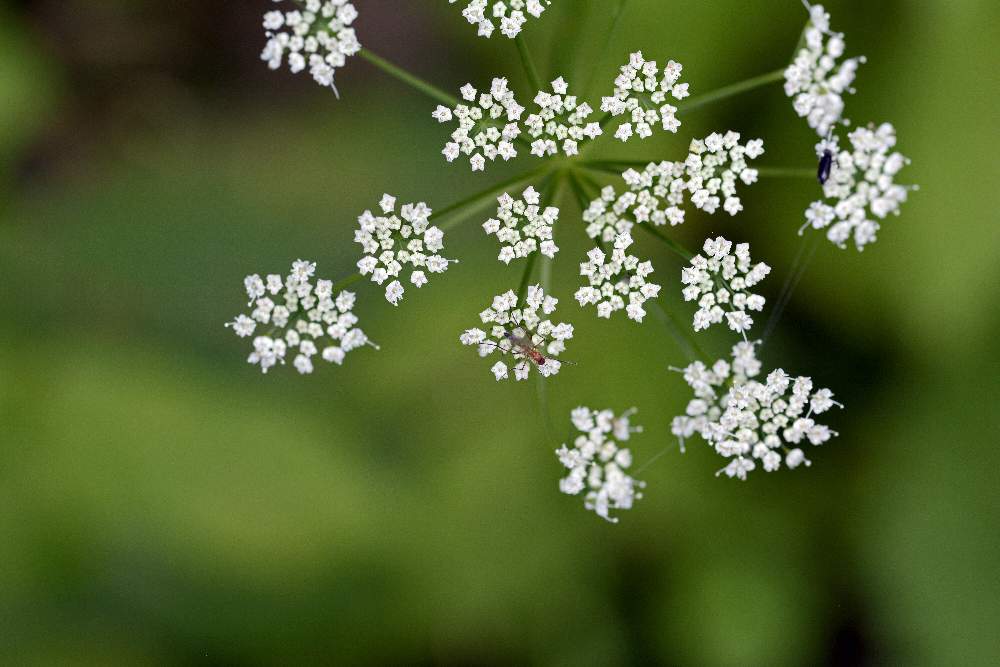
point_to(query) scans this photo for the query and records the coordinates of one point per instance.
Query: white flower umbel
(518, 331)
(393, 242)
(316, 34)
(815, 78)
(560, 123)
(861, 189)
(608, 215)
(522, 226)
(487, 126)
(641, 93)
(751, 422)
(657, 194)
(709, 176)
(299, 318)
(720, 281)
(597, 461)
(509, 15)
(618, 283)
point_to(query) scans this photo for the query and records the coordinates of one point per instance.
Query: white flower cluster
(379, 236)
(617, 282)
(510, 14)
(523, 226)
(607, 216)
(597, 462)
(560, 122)
(720, 282)
(487, 126)
(815, 78)
(862, 188)
(522, 333)
(641, 92)
(308, 314)
(319, 35)
(709, 175)
(746, 420)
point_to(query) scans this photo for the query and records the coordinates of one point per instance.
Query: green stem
(730, 90)
(680, 333)
(529, 64)
(786, 172)
(522, 288)
(608, 35)
(347, 282)
(417, 83)
(674, 246)
(483, 196)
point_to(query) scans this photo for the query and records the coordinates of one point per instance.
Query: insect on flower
(825, 159)
(521, 346)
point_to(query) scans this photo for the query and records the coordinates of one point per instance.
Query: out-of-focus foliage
(164, 503)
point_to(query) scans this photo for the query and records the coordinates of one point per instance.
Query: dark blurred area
(165, 504)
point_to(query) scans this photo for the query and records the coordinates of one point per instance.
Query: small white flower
(522, 226)
(720, 281)
(518, 330)
(617, 283)
(597, 462)
(509, 15)
(816, 79)
(321, 37)
(862, 188)
(299, 316)
(488, 125)
(746, 420)
(560, 123)
(393, 242)
(641, 94)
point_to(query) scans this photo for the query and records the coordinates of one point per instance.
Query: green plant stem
(346, 282)
(731, 90)
(522, 288)
(680, 333)
(608, 35)
(529, 64)
(484, 195)
(415, 82)
(787, 172)
(674, 246)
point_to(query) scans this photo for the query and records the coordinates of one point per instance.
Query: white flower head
(817, 79)
(861, 189)
(488, 125)
(509, 15)
(721, 281)
(617, 282)
(597, 462)
(609, 215)
(561, 122)
(641, 93)
(751, 422)
(708, 177)
(300, 318)
(317, 35)
(518, 334)
(522, 226)
(393, 243)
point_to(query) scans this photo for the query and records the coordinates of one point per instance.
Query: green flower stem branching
(416, 82)
(616, 17)
(529, 64)
(347, 282)
(731, 90)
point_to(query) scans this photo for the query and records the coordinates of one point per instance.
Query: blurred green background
(164, 503)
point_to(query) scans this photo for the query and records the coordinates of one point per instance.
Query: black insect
(825, 166)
